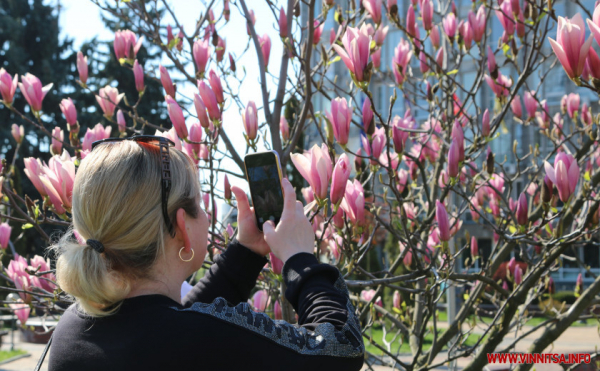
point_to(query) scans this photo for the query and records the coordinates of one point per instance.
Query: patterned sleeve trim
(325, 340)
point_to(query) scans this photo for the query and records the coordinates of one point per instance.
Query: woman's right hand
(294, 233)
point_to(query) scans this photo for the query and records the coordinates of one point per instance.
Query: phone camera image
(265, 187)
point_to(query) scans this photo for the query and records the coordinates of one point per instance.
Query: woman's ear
(181, 231)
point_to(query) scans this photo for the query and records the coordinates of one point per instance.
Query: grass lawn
(377, 335)
(6, 354)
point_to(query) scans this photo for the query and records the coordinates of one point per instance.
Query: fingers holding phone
(294, 233)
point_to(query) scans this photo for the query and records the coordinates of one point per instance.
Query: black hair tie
(96, 245)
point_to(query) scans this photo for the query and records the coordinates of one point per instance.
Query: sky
(80, 20)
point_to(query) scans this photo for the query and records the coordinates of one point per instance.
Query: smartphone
(263, 171)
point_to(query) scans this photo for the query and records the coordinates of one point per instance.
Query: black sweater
(216, 329)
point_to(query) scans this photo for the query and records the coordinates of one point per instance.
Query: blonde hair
(117, 201)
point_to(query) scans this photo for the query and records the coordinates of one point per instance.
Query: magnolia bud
(490, 163)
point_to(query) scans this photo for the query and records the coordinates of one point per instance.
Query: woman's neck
(152, 287)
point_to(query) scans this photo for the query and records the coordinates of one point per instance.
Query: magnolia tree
(414, 180)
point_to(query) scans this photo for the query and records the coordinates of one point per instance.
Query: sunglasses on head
(165, 174)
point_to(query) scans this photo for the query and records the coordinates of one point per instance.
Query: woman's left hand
(248, 233)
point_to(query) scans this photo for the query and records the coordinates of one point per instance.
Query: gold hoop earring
(182, 259)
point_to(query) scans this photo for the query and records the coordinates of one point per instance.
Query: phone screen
(265, 186)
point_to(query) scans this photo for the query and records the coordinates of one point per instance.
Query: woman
(127, 266)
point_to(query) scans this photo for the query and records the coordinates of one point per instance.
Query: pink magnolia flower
(252, 19)
(68, 109)
(82, 67)
(201, 111)
(356, 51)
(332, 36)
(108, 99)
(442, 219)
(18, 132)
(506, 18)
(38, 264)
(265, 47)
(377, 145)
(396, 300)
(411, 23)
(427, 14)
(593, 64)
(579, 284)
(500, 86)
(210, 100)
(450, 24)
(215, 84)
(367, 295)
(8, 86)
(176, 116)
(167, 83)
(126, 44)
(138, 74)
(250, 120)
(339, 178)
(586, 114)
(380, 35)
(195, 135)
(316, 167)
(593, 24)
(376, 58)
(121, 123)
(60, 173)
(518, 275)
(570, 46)
(22, 311)
(459, 135)
(573, 101)
(531, 104)
(374, 9)
(277, 312)
(477, 22)
(565, 174)
(516, 107)
(522, 210)
(32, 90)
(399, 134)
(434, 36)
(485, 123)
(172, 135)
(5, 230)
(282, 23)
(284, 128)
(353, 203)
(453, 159)
(33, 170)
(401, 60)
(318, 31)
(466, 32)
(201, 52)
(340, 117)
(57, 141)
(261, 300)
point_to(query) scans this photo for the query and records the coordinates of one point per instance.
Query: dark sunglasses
(163, 145)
